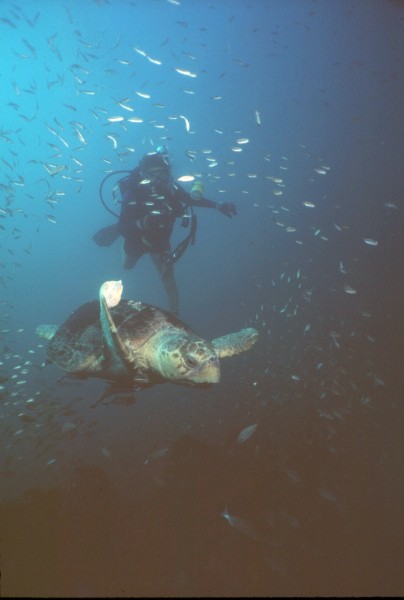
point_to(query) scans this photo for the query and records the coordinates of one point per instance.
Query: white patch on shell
(111, 291)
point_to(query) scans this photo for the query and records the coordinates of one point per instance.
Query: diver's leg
(166, 272)
(131, 253)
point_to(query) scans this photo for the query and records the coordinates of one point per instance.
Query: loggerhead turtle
(136, 345)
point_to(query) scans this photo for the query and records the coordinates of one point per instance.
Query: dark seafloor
(293, 110)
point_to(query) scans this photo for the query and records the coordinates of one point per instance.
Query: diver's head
(155, 166)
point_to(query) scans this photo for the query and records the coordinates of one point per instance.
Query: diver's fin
(107, 235)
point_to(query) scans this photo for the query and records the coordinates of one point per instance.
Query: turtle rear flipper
(47, 331)
(115, 352)
(123, 393)
(235, 343)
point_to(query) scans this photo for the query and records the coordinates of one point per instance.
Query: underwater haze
(286, 478)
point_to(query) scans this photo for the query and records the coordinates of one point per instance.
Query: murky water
(286, 478)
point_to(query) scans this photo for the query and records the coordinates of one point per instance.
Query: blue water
(157, 496)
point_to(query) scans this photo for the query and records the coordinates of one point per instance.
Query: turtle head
(188, 360)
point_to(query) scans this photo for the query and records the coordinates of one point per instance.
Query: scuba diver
(151, 203)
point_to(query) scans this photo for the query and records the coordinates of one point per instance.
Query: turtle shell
(78, 345)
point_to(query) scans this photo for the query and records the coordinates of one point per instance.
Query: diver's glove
(227, 208)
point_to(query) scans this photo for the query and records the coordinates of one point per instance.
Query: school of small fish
(42, 175)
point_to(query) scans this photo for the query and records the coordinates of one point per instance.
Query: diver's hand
(227, 208)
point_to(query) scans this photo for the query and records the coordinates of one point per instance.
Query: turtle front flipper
(115, 352)
(46, 331)
(235, 343)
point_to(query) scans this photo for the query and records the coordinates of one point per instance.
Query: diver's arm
(187, 199)
(226, 208)
(202, 202)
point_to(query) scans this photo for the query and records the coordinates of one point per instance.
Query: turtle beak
(207, 372)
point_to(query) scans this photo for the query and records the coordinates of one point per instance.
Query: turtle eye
(190, 361)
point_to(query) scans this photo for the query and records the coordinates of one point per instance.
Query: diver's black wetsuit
(147, 218)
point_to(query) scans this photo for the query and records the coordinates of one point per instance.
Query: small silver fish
(246, 433)
(244, 527)
(186, 121)
(186, 72)
(113, 140)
